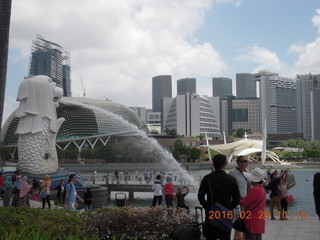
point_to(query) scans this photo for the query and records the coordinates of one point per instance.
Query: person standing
(275, 200)
(237, 173)
(168, 191)
(24, 193)
(254, 203)
(71, 194)
(60, 191)
(45, 189)
(157, 191)
(16, 191)
(87, 199)
(7, 191)
(116, 176)
(225, 191)
(283, 192)
(35, 189)
(316, 192)
(1, 185)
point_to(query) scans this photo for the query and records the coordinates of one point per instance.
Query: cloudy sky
(117, 46)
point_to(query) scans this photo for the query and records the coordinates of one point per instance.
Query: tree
(238, 133)
(171, 132)
(195, 153)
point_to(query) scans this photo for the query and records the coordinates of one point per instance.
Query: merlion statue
(38, 125)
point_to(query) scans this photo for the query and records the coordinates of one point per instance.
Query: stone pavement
(292, 229)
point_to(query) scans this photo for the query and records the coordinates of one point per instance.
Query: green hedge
(105, 223)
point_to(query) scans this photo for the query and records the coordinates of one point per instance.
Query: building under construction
(49, 58)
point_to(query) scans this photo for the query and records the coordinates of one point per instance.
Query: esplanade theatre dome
(84, 117)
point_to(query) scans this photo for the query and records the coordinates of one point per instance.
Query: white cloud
(265, 59)
(118, 46)
(309, 57)
(316, 20)
(235, 3)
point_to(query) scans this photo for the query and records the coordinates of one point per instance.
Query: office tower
(246, 86)
(48, 58)
(5, 14)
(241, 113)
(307, 92)
(186, 85)
(161, 88)
(192, 115)
(221, 87)
(277, 102)
(315, 114)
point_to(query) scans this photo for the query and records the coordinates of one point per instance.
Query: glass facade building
(48, 58)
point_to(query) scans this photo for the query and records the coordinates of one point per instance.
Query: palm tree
(5, 13)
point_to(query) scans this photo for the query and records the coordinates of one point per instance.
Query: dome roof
(84, 117)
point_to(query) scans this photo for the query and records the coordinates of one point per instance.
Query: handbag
(239, 224)
(219, 217)
(43, 194)
(289, 198)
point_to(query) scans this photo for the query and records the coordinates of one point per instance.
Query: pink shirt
(255, 220)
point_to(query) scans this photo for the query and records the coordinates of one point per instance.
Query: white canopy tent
(244, 147)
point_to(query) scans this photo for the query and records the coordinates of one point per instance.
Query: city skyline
(126, 44)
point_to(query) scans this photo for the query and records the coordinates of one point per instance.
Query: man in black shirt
(225, 191)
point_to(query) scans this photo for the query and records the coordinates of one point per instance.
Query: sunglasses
(244, 161)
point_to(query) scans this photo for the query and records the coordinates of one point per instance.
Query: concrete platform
(292, 229)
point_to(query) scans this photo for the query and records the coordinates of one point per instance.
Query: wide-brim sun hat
(256, 175)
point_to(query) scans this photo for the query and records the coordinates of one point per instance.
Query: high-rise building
(246, 86)
(241, 113)
(48, 58)
(186, 85)
(5, 14)
(315, 114)
(161, 88)
(192, 115)
(221, 87)
(277, 102)
(307, 104)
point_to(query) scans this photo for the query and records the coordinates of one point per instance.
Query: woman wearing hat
(254, 203)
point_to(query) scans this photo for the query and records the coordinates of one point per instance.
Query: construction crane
(83, 89)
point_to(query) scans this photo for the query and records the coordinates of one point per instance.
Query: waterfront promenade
(292, 229)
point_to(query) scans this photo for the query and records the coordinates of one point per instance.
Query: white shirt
(157, 187)
(242, 182)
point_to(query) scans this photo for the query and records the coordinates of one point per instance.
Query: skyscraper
(221, 87)
(246, 86)
(186, 85)
(48, 58)
(5, 14)
(277, 102)
(192, 114)
(161, 87)
(307, 92)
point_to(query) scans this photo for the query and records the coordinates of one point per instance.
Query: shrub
(132, 223)
(105, 223)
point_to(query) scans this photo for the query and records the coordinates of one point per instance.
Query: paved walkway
(292, 229)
